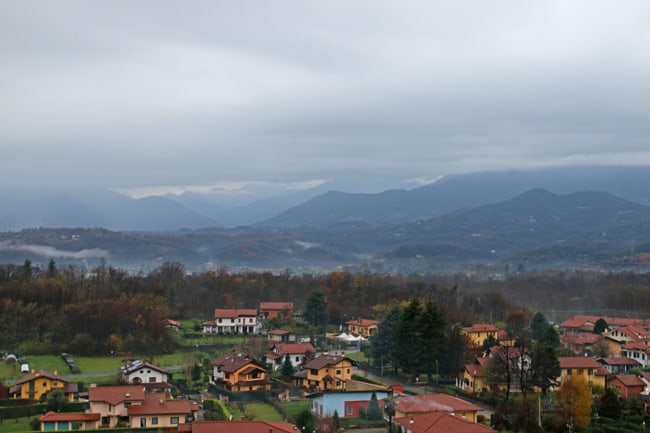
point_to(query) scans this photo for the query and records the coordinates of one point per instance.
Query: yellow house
(240, 373)
(328, 372)
(593, 372)
(35, 385)
(477, 334)
(474, 377)
(364, 327)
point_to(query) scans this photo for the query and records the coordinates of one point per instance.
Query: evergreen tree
(373, 412)
(384, 343)
(431, 325)
(600, 326)
(409, 338)
(287, 367)
(316, 308)
(609, 405)
(538, 325)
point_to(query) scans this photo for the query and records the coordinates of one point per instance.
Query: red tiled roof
(279, 332)
(156, 403)
(227, 313)
(636, 346)
(242, 427)
(276, 305)
(578, 362)
(619, 360)
(441, 422)
(55, 416)
(138, 364)
(580, 320)
(475, 370)
(363, 322)
(433, 403)
(481, 327)
(582, 338)
(39, 374)
(629, 380)
(116, 394)
(293, 348)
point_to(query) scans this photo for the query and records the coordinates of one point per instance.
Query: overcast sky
(165, 96)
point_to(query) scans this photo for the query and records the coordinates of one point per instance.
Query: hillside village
(606, 354)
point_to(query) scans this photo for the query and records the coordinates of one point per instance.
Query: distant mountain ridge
(536, 227)
(315, 206)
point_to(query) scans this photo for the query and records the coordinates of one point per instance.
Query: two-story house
(628, 385)
(158, 411)
(640, 352)
(478, 333)
(112, 403)
(233, 321)
(364, 327)
(239, 372)
(295, 351)
(327, 372)
(139, 371)
(37, 384)
(593, 372)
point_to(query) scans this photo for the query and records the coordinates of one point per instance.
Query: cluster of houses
(603, 359)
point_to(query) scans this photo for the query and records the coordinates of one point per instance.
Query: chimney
(411, 421)
(162, 401)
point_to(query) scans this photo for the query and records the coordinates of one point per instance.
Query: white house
(139, 372)
(295, 351)
(233, 321)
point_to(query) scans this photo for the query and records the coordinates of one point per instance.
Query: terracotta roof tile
(227, 313)
(433, 403)
(481, 327)
(116, 394)
(55, 416)
(156, 403)
(242, 427)
(441, 422)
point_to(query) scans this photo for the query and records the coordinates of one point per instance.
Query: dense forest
(108, 309)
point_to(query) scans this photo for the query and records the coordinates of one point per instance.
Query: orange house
(240, 373)
(327, 372)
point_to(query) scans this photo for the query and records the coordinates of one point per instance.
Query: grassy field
(263, 412)
(293, 408)
(14, 425)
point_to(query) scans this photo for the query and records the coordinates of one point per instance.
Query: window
(152, 379)
(173, 420)
(297, 359)
(44, 384)
(569, 372)
(348, 371)
(55, 383)
(154, 420)
(338, 372)
(349, 409)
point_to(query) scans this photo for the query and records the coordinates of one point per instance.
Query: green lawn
(11, 426)
(263, 412)
(293, 408)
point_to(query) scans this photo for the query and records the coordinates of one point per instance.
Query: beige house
(112, 402)
(157, 411)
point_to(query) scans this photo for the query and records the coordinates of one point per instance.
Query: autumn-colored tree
(575, 401)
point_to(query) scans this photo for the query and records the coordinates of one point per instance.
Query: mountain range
(592, 217)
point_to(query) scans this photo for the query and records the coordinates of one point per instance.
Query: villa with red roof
(295, 351)
(112, 402)
(364, 327)
(428, 403)
(36, 384)
(233, 321)
(477, 334)
(269, 310)
(474, 375)
(157, 411)
(593, 372)
(437, 422)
